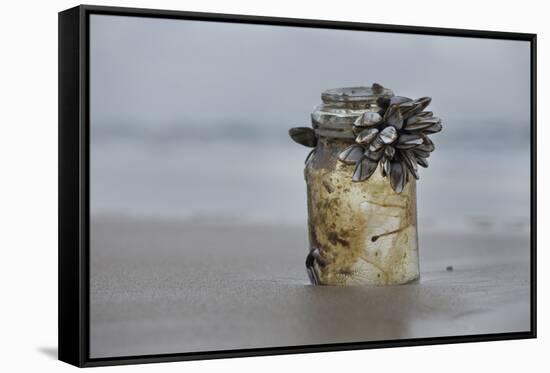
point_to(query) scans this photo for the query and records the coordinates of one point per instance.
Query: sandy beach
(180, 286)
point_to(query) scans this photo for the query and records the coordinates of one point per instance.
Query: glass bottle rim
(354, 95)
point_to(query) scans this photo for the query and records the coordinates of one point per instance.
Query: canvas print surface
(201, 218)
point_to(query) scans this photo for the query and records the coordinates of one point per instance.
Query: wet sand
(168, 287)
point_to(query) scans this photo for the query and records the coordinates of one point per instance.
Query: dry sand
(168, 287)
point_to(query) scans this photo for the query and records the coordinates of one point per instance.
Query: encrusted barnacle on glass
(362, 223)
(400, 125)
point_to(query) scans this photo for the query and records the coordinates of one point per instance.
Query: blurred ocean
(478, 178)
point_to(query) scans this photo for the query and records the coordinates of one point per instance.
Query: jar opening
(355, 95)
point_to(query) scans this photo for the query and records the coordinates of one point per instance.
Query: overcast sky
(157, 72)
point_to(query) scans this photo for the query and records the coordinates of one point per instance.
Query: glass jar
(359, 232)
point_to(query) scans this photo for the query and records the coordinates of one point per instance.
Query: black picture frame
(74, 183)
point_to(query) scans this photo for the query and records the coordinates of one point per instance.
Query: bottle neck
(332, 144)
(334, 118)
(338, 123)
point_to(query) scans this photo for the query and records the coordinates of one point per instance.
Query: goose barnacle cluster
(395, 137)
